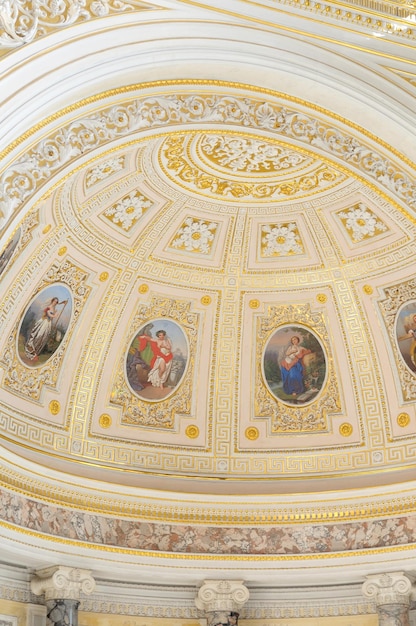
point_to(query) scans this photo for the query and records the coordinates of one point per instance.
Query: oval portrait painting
(294, 365)
(156, 359)
(44, 325)
(406, 334)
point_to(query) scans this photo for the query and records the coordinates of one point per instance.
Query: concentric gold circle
(403, 419)
(192, 431)
(345, 429)
(252, 433)
(105, 421)
(54, 407)
(143, 288)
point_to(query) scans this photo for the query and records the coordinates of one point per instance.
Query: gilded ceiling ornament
(176, 159)
(345, 429)
(105, 420)
(368, 289)
(254, 304)
(248, 154)
(293, 398)
(281, 240)
(192, 431)
(206, 300)
(127, 211)
(252, 433)
(103, 170)
(46, 229)
(143, 288)
(54, 407)
(360, 223)
(21, 21)
(62, 250)
(84, 134)
(37, 345)
(398, 309)
(146, 388)
(322, 298)
(195, 235)
(104, 276)
(403, 420)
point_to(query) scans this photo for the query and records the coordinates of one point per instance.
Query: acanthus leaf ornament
(21, 21)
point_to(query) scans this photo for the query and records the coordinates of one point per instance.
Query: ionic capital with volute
(392, 588)
(63, 583)
(222, 595)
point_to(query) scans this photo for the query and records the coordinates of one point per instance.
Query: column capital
(222, 595)
(59, 582)
(391, 588)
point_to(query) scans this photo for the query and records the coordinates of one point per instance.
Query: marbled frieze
(279, 539)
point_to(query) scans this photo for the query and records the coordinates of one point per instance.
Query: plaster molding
(62, 583)
(222, 595)
(393, 588)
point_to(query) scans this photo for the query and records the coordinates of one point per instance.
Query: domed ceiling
(207, 347)
(227, 293)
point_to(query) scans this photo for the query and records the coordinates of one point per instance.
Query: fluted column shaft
(391, 593)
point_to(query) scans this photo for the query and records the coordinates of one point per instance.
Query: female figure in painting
(42, 329)
(161, 361)
(292, 367)
(410, 328)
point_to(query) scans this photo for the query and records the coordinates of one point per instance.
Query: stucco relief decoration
(103, 170)
(280, 240)
(23, 177)
(244, 154)
(36, 347)
(179, 164)
(360, 223)
(295, 384)
(127, 211)
(21, 21)
(399, 312)
(157, 363)
(195, 235)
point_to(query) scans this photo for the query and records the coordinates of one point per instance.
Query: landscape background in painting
(406, 334)
(138, 362)
(59, 324)
(310, 378)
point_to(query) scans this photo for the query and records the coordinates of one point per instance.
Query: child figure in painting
(42, 329)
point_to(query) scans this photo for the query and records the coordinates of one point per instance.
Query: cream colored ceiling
(233, 237)
(235, 175)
